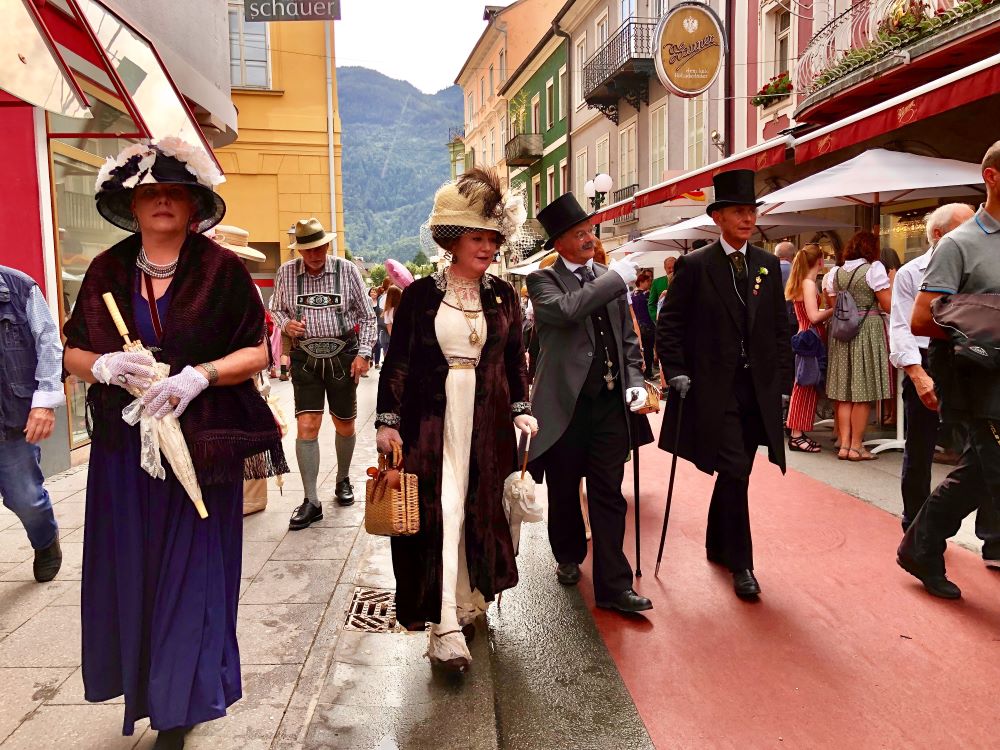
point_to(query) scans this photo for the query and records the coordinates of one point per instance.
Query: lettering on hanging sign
(292, 10)
(689, 49)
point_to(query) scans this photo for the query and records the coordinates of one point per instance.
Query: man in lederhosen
(589, 368)
(723, 342)
(320, 302)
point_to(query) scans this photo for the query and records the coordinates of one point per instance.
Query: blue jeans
(23, 491)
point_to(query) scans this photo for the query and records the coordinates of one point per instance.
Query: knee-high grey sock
(307, 453)
(345, 452)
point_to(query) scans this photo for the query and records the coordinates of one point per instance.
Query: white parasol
(158, 435)
(671, 241)
(519, 501)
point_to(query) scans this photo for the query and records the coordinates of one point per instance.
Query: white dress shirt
(904, 347)
(730, 249)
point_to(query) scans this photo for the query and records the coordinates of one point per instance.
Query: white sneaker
(449, 651)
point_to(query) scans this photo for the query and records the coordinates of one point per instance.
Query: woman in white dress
(453, 388)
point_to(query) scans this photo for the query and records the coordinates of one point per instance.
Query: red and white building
(89, 77)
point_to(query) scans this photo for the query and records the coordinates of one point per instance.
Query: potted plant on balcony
(778, 88)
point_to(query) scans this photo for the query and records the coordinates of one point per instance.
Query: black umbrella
(670, 486)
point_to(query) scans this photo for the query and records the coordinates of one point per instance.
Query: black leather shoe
(745, 585)
(627, 601)
(305, 515)
(937, 584)
(171, 739)
(568, 574)
(344, 492)
(47, 562)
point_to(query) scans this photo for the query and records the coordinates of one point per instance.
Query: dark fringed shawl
(214, 311)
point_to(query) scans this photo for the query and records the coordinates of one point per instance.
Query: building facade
(509, 36)
(538, 113)
(284, 86)
(139, 73)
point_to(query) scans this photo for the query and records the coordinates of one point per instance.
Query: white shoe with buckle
(449, 651)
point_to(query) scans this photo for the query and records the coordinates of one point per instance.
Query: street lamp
(596, 190)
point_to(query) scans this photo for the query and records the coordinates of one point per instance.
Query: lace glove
(125, 369)
(526, 424)
(681, 384)
(635, 398)
(385, 436)
(624, 268)
(172, 395)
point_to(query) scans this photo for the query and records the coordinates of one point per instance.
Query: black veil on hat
(169, 160)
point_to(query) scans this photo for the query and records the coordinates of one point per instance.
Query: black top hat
(561, 214)
(733, 188)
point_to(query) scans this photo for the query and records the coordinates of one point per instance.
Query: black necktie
(739, 268)
(585, 273)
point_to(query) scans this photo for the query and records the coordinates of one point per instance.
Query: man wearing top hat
(589, 368)
(723, 342)
(320, 302)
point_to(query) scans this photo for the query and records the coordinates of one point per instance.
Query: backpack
(847, 317)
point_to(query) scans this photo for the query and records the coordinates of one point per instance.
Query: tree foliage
(395, 158)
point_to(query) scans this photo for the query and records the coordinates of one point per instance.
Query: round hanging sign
(690, 49)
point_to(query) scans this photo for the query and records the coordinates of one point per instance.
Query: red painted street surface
(844, 649)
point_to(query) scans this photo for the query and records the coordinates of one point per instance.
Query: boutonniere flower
(761, 273)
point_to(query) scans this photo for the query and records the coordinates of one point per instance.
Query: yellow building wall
(277, 170)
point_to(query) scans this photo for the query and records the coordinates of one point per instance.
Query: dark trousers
(918, 453)
(595, 445)
(648, 338)
(728, 540)
(973, 483)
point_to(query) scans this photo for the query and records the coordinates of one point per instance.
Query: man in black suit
(723, 341)
(589, 369)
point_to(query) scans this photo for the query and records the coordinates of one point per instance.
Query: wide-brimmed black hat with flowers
(169, 160)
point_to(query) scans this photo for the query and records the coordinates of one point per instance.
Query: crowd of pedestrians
(743, 342)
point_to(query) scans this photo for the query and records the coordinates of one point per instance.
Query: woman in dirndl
(161, 584)
(858, 370)
(453, 388)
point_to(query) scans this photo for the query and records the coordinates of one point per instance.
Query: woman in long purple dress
(160, 584)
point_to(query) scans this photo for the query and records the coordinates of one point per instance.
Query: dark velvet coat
(698, 335)
(411, 397)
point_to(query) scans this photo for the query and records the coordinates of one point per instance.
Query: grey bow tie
(585, 273)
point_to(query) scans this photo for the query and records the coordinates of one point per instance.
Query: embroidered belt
(318, 301)
(462, 363)
(325, 347)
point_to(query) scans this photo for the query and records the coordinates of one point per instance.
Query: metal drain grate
(372, 611)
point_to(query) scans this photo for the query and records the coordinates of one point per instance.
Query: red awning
(761, 156)
(615, 211)
(964, 86)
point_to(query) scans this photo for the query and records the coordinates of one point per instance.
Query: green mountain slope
(395, 156)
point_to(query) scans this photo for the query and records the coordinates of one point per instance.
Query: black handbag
(972, 321)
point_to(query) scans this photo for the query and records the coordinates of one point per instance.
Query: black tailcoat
(698, 335)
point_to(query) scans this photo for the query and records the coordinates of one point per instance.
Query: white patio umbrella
(875, 178)
(671, 241)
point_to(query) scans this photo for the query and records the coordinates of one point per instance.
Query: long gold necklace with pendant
(474, 338)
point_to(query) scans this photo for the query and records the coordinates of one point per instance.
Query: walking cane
(633, 444)
(670, 486)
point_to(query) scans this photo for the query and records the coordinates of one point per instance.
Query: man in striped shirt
(320, 303)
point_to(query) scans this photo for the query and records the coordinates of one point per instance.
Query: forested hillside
(395, 157)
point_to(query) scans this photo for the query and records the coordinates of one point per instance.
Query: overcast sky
(424, 42)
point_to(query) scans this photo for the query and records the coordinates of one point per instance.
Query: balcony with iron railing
(622, 194)
(621, 68)
(876, 49)
(524, 149)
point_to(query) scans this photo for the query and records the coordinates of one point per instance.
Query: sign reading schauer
(690, 49)
(292, 10)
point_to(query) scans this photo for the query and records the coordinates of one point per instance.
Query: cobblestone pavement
(295, 591)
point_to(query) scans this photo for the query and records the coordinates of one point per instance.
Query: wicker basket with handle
(392, 505)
